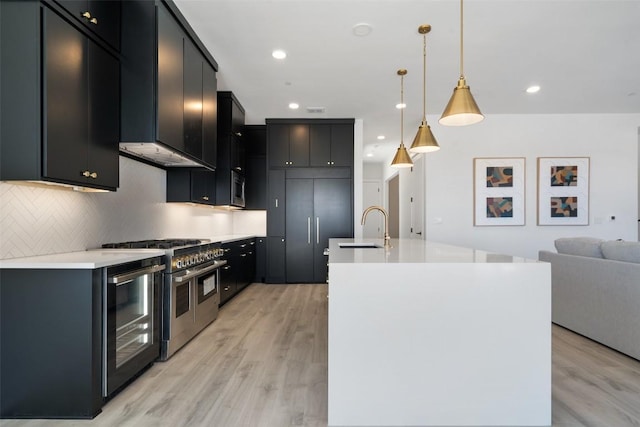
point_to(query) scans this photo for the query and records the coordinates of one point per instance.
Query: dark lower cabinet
(227, 282)
(51, 352)
(276, 260)
(240, 269)
(261, 260)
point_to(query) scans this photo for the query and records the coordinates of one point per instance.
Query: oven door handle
(121, 278)
(216, 264)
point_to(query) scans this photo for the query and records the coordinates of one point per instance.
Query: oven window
(182, 299)
(207, 287)
(134, 322)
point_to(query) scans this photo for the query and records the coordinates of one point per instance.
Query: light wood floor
(263, 362)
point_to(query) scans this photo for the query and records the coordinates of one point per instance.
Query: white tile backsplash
(39, 221)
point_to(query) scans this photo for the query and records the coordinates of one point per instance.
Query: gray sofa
(596, 290)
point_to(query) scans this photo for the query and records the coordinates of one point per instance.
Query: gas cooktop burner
(154, 244)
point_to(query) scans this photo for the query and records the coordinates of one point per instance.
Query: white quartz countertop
(226, 238)
(90, 259)
(413, 251)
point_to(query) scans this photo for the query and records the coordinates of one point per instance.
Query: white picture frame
(563, 190)
(499, 191)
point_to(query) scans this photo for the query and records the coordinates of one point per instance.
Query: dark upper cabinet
(255, 137)
(169, 88)
(315, 143)
(288, 145)
(170, 81)
(209, 115)
(191, 185)
(192, 90)
(99, 16)
(231, 145)
(65, 130)
(331, 145)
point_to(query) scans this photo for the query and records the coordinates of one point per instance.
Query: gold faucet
(386, 222)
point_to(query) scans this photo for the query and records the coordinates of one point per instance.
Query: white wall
(611, 141)
(39, 221)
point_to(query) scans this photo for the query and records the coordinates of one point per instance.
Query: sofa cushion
(581, 246)
(621, 251)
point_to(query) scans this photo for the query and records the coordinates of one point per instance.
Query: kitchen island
(427, 334)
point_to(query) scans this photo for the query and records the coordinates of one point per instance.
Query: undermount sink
(359, 245)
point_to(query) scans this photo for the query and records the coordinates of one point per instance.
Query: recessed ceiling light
(533, 89)
(401, 106)
(362, 29)
(381, 137)
(294, 106)
(279, 54)
(369, 154)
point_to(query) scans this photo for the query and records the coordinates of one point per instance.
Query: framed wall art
(563, 190)
(499, 191)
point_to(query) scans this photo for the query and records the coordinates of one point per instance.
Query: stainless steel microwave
(237, 189)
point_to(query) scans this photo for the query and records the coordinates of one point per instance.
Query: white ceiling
(585, 54)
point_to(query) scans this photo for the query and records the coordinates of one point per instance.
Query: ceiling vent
(315, 110)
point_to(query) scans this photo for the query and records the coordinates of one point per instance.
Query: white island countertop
(413, 251)
(428, 334)
(90, 259)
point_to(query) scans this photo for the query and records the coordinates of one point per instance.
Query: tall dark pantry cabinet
(310, 195)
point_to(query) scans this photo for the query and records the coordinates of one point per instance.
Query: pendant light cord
(402, 109)
(424, 78)
(461, 42)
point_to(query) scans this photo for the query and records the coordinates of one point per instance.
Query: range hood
(158, 153)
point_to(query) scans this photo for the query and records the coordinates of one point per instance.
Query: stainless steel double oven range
(190, 292)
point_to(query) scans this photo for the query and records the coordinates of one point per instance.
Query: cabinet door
(278, 145)
(170, 103)
(209, 115)
(320, 145)
(227, 283)
(203, 184)
(276, 203)
(107, 20)
(332, 206)
(276, 260)
(299, 145)
(299, 230)
(256, 183)
(66, 94)
(100, 16)
(238, 152)
(261, 259)
(342, 145)
(192, 91)
(104, 117)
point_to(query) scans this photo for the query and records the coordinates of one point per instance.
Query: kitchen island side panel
(50, 343)
(439, 344)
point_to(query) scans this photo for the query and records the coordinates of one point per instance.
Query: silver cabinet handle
(276, 203)
(317, 230)
(121, 278)
(309, 230)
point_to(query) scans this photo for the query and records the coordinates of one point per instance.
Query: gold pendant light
(402, 158)
(424, 142)
(462, 108)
